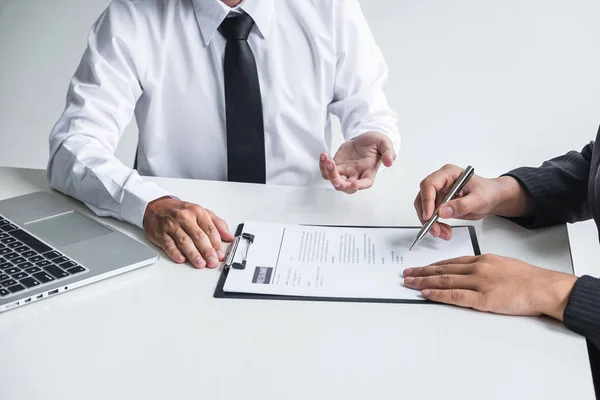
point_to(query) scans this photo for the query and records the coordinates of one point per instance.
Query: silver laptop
(47, 247)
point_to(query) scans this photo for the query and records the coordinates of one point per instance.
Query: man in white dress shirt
(208, 79)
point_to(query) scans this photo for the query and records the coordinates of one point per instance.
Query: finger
(428, 195)
(363, 183)
(166, 243)
(457, 208)
(347, 182)
(334, 177)
(347, 174)
(445, 231)
(441, 282)
(443, 269)
(455, 297)
(207, 240)
(349, 189)
(222, 227)
(419, 207)
(458, 260)
(186, 245)
(386, 149)
(367, 179)
(322, 167)
(436, 228)
(213, 231)
(435, 183)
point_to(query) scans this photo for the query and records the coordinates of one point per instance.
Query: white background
(496, 84)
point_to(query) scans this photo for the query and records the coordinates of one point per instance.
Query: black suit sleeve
(582, 314)
(560, 193)
(559, 189)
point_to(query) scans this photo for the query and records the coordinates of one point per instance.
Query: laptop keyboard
(26, 263)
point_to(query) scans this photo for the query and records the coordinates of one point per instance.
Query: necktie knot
(237, 28)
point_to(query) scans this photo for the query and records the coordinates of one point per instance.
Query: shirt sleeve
(359, 101)
(100, 103)
(582, 314)
(559, 188)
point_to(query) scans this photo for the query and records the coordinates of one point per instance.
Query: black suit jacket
(567, 189)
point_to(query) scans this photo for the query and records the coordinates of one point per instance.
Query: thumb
(386, 149)
(458, 208)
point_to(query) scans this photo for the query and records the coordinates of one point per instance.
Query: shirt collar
(210, 14)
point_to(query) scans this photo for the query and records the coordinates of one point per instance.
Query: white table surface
(158, 333)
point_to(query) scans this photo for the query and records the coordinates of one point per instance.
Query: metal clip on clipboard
(249, 238)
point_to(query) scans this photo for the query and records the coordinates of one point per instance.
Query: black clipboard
(220, 293)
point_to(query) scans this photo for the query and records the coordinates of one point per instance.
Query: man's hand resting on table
(494, 284)
(357, 161)
(186, 231)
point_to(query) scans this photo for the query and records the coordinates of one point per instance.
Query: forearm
(358, 99)
(558, 189)
(367, 111)
(100, 103)
(84, 169)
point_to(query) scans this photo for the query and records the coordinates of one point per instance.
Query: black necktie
(243, 105)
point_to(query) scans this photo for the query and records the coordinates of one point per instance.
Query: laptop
(47, 247)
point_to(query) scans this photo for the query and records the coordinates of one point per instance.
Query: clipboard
(240, 237)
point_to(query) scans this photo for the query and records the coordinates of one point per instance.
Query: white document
(336, 262)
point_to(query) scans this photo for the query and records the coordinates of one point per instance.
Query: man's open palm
(357, 161)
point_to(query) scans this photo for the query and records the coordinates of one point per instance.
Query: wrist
(555, 294)
(156, 201)
(152, 205)
(513, 200)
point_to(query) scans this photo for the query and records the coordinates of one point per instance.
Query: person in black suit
(564, 189)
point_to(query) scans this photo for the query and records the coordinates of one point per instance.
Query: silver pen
(456, 188)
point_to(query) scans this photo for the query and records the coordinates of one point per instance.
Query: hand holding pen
(478, 198)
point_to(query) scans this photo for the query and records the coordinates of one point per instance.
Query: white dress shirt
(163, 61)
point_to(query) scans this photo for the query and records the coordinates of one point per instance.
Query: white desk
(157, 333)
